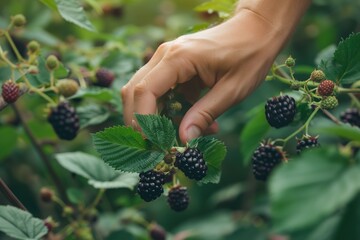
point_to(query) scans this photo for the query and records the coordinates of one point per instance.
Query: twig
(10, 195)
(332, 117)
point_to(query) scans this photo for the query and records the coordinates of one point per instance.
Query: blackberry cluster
(265, 158)
(306, 142)
(192, 163)
(280, 111)
(178, 198)
(351, 116)
(64, 121)
(104, 77)
(150, 185)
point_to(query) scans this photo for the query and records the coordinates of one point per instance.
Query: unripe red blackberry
(280, 111)
(191, 162)
(10, 91)
(104, 77)
(265, 158)
(178, 198)
(46, 194)
(306, 142)
(150, 185)
(330, 102)
(351, 116)
(64, 121)
(317, 76)
(326, 88)
(19, 20)
(157, 232)
(67, 87)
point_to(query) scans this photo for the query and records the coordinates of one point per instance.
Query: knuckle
(207, 117)
(124, 93)
(140, 89)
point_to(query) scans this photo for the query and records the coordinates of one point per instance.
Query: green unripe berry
(33, 46)
(67, 87)
(317, 76)
(330, 102)
(176, 106)
(290, 62)
(68, 211)
(52, 62)
(19, 20)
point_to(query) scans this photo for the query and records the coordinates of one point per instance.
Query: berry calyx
(290, 62)
(178, 198)
(317, 76)
(67, 87)
(157, 232)
(10, 91)
(52, 62)
(104, 77)
(330, 102)
(280, 111)
(191, 162)
(33, 47)
(265, 158)
(326, 88)
(64, 121)
(19, 20)
(50, 224)
(46, 194)
(150, 185)
(351, 116)
(306, 142)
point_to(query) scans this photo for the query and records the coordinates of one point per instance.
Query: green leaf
(125, 149)
(253, 132)
(223, 7)
(72, 11)
(98, 93)
(8, 141)
(214, 153)
(343, 131)
(99, 174)
(158, 129)
(306, 190)
(20, 224)
(43, 77)
(61, 72)
(50, 3)
(92, 115)
(75, 195)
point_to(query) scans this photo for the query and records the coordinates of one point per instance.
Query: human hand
(230, 59)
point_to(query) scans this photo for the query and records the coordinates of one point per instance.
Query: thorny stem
(10, 195)
(12, 44)
(42, 154)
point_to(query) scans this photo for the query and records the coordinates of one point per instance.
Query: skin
(230, 59)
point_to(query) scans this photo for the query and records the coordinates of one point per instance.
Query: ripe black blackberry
(150, 185)
(306, 142)
(265, 158)
(178, 198)
(104, 77)
(191, 162)
(64, 121)
(280, 111)
(351, 116)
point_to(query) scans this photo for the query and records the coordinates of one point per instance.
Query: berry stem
(306, 125)
(354, 99)
(10, 195)
(13, 46)
(332, 117)
(6, 60)
(98, 198)
(41, 153)
(348, 90)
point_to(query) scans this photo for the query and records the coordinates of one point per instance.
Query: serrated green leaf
(347, 59)
(61, 71)
(92, 114)
(344, 131)
(125, 149)
(99, 174)
(158, 129)
(43, 77)
(214, 153)
(20, 224)
(253, 132)
(306, 190)
(72, 11)
(98, 93)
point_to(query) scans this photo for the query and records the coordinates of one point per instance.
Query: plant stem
(13, 46)
(348, 90)
(10, 195)
(42, 154)
(332, 117)
(98, 198)
(355, 100)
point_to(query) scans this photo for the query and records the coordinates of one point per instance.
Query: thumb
(203, 113)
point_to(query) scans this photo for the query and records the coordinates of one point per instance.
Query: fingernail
(193, 132)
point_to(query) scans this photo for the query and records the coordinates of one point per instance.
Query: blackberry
(157, 232)
(326, 88)
(306, 142)
(104, 77)
(178, 198)
(10, 91)
(192, 163)
(351, 116)
(150, 185)
(265, 158)
(330, 102)
(280, 111)
(64, 121)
